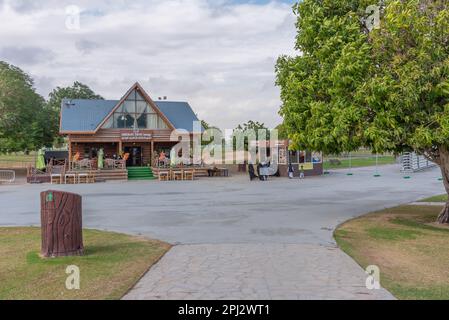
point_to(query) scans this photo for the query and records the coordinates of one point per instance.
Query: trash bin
(61, 224)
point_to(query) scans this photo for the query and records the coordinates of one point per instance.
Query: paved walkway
(255, 272)
(270, 238)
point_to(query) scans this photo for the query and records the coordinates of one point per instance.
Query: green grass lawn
(360, 162)
(16, 160)
(440, 198)
(18, 157)
(407, 245)
(112, 264)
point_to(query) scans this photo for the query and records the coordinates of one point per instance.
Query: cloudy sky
(218, 55)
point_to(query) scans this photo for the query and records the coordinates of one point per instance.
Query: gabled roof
(180, 114)
(87, 116)
(137, 87)
(80, 115)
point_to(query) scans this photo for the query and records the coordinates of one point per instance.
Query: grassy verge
(360, 162)
(16, 160)
(406, 244)
(22, 157)
(112, 264)
(440, 198)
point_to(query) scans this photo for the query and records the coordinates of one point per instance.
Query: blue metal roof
(83, 115)
(80, 115)
(180, 114)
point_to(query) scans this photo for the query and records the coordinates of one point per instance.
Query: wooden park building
(136, 126)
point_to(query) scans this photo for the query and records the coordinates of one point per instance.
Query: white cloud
(218, 56)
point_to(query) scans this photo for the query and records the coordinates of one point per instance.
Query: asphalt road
(230, 210)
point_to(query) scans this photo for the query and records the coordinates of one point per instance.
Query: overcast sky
(217, 55)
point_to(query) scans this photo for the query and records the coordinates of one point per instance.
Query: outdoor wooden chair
(81, 164)
(120, 164)
(91, 177)
(70, 178)
(178, 175)
(189, 174)
(83, 177)
(164, 175)
(56, 174)
(109, 164)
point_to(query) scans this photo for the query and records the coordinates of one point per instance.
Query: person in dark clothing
(290, 171)
(252, 174)
(259, 166)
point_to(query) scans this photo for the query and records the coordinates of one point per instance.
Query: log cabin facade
(135, 124)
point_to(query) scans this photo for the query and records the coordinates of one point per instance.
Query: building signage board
(136, 136)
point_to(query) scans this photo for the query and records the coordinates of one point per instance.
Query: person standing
(290, 171)
(251, 171)
(301, 173)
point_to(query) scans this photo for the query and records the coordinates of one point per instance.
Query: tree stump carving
(61, 224)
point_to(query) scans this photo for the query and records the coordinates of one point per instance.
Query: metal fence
(7, 176)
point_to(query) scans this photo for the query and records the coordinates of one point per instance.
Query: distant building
(311, 162)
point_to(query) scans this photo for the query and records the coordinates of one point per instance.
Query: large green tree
(77, 91)
(23, 113)
(253, 126)
(385, 88)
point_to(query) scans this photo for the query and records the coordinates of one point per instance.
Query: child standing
(301, 173)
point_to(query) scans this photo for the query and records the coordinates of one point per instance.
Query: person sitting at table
(76, 157)
(163, 158)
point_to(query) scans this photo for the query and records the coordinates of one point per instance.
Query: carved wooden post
(61, 224)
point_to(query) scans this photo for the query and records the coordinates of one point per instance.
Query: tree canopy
(27, 121)
(77, 91)
(23, 113)
(251, 125)
(205, 124)
(385, 88)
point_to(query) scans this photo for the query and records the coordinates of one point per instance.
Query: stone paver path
(255, 271)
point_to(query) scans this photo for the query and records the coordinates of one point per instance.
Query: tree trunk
(444, 215)
(443, 218)
(61, 224)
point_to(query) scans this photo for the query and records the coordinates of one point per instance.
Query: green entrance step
(140, 173)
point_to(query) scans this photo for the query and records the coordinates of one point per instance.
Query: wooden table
(169, 174)
(218, 172)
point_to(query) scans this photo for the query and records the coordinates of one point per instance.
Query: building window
(135, 113)
(300, 157)
(293, 157)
